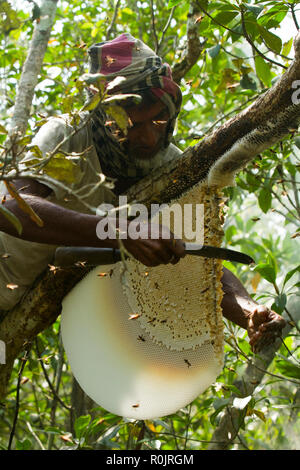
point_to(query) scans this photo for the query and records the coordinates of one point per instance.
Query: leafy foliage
(244, 51)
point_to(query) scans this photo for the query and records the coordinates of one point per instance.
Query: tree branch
(113, 21)
(153, 26)
(194, 47)
(32, 66)
(292, 7)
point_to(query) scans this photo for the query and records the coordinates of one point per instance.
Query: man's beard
(147, 163)
(141, 158)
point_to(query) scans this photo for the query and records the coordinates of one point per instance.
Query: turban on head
(142, 70)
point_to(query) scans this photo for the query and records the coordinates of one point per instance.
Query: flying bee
(134, 316)
(109, 60)
(102, 274)
(188, 363)
(80, 264)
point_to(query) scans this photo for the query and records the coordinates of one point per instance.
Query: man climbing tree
(58, 216)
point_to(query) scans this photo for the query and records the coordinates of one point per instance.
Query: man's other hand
(264, 326)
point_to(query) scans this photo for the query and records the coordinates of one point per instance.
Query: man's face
(148, 132)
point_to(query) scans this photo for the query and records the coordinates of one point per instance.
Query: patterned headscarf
(143, 70)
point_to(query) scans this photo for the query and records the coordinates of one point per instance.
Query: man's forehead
(146, 111)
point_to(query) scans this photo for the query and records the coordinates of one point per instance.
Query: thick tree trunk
(32, 66)
(274, 113)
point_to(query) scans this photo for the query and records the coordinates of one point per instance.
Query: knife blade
(90, 256)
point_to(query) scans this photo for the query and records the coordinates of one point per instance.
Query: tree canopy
(224, 55)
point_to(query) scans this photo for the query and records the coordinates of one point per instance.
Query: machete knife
(90, 256)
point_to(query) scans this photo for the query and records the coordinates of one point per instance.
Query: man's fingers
(260, 315)
(178, 248)
(155, 251)
(166, 251)
(266, 335)
(264, 327)
(273, 325)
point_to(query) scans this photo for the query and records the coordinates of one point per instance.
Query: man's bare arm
(70, 228)
(263, 325)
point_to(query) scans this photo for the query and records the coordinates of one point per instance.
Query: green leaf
(297, 142)
(289, 369)
(263, 70)
(234, 389)
(36, 151)
(273, 17)
(25, 140)
(245, 346)
(203, 3)
(81, 425)
(2, 130)
(119, 115)
(267, 271)
(253, 182)
(63, 168)
(265, 199)
(290, 274)
(280, 302)
(225, 17)
(173, 3)
(271, 260)
(248, 83)
(23, 445)
(11, 218)
(260, 415)
(219, 404)
(271, 40)
(254, 9)
(287, 46)
(230, 232)
(214, 51)
(92, 103)
(36, 12)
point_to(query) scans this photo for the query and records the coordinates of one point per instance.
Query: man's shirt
(27, 260)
